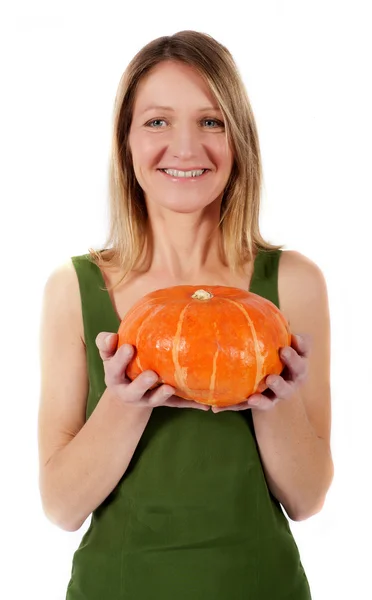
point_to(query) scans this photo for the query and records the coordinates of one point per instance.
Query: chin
(183, 209)
(179, 206)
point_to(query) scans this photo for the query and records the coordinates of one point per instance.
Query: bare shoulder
(63, 274)
(297, 269)
(61, 289)
(301, 283)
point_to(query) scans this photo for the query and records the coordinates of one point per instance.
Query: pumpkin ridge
(212, 383)
(259, 357)
(178, 370)
(150, 315)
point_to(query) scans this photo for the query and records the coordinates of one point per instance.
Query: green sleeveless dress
(192, 518)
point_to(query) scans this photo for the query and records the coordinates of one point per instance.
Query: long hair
(240, 205)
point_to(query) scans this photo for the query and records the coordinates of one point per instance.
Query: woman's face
(176, 124)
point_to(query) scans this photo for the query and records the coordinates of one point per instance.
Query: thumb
(109, 340)
(106, 341)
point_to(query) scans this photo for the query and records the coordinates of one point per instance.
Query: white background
(306, 66)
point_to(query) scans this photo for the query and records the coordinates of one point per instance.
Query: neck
(184, 246)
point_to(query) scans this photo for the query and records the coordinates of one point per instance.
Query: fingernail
(254, 402)
(108, 340)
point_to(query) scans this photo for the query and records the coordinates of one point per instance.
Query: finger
(115, 368)
(141, 385)
(279, 386)
(260, 402)
(295, 364)
(235, 407)
(124, 353)
(106, 343)
(302, 343)
(159, 396)
(177, 402)
(103, 338)
(174, 401)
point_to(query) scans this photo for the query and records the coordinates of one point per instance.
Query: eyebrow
(158, 107)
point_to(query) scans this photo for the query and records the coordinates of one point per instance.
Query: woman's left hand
(280, 387)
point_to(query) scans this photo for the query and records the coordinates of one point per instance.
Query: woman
(185, 504)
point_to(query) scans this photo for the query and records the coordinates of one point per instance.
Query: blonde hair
(239, 213)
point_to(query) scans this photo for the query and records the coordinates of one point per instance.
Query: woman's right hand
(136, 392)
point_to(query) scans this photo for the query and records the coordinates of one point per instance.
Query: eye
(152, 123)
(149, 124)
(219, 123)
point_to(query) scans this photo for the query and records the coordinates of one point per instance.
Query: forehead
(173, 84)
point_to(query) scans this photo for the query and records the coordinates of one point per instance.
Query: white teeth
(184, 173)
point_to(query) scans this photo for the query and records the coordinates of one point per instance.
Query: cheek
(224, 154)
(144, 152)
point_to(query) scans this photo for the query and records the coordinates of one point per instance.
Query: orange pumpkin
(214, 344)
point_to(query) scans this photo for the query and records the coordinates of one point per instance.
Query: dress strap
(264, 280)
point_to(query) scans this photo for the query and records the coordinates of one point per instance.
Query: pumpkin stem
(202, 295)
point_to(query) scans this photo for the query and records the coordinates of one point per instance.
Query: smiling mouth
(185, 177)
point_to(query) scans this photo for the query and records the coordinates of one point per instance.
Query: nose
(184, 141)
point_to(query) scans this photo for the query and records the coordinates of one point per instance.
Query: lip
(188, 169)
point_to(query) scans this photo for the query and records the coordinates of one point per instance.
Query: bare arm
(79, 476)
(80, 462)
(294, 437)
